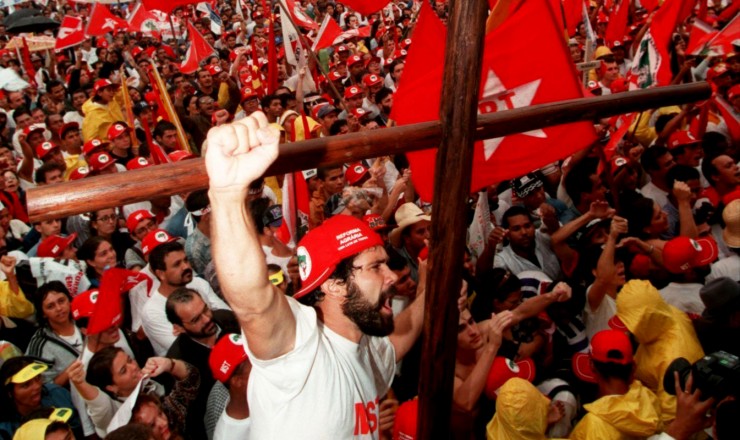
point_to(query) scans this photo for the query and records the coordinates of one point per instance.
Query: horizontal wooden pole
(93, 193)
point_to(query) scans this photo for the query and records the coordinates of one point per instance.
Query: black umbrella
(20, 13)
(32, 24)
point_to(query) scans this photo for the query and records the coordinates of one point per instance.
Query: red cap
(102, 43)
(681, 137)
(67, 127)
(608, 346)
(618, 162)
(137, 163)
(322, 248)
(372, 59)
(53, 245)
(45, 148)
(116, 130)
(376, 222)
(228, 353)
(335, 76)
(342, 48)
(92, 145)
(354, 59)
(718, 70)
(406, 423)
(619, 85)
(372, 80)
(248, 92)
(359, 113)
(640, 266)
(100, 161)
(83, 305)
(178, 155)
(682, 253)
(101, 84)
(151, 99)
(351, 92)
(405, 43)
(136, 51)
(734, 92)
(616, 323)
(34, 127)
(504, 369)
(79, 173)
(154, 239)
(214, 69)
(137, 216)
(355, 172)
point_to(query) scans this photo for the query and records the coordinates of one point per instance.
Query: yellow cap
(277, 278)
(27, 373)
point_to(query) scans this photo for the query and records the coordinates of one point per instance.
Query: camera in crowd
(715, 375)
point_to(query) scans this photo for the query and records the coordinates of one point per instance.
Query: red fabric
(102, 21)
(729, 12)
(617, 23)
(731, 118)
(511, 78)
(27, 64)
(143, 20)
(198, 51)
(661, 30)
(573, 13)
(361, 32)
(167, 5)
(366, 7)
(108, 308)
(722, 43)
(71, 33)
(328, 32)
(649, 4)
(702, 14)
(272, 74)
(701, 33)
(299, 16)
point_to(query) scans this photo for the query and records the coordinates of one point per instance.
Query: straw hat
(407, 215)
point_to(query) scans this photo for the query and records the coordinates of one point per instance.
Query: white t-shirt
(327, 387)
(683, 296)
(656, 194)
(598, 320)
(727, 267)
(229, 427)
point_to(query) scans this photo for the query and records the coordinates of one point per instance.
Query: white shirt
(683, 296)
(326, 387)
(508, 259)
(598, 320)
(231, 428)
(138, 297)
(727, 267)
(154, 319)
(653, 192)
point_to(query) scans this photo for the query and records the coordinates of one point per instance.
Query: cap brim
(582, 367)
(708, 254)
(69, 239)
(311, 285)
(617, 324)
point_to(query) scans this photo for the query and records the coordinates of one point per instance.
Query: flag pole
(170, 109)
(129, 113)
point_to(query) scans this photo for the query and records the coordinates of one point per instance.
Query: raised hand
(7, 264)
(601, 209)
(499, 323)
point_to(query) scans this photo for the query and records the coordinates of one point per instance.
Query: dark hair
(513, 212)
(395, 260)
(158, 255)
(714, 143)
(492, 284)
(336, 126)
(257, 209)
(131, 431)
(342, 273)
(145, 399)
(323, 171)
(267, 100)
(40, 175)
(649, 158)
(708, 168)
(578, 180)
(87, 251)
(611, 370)
(54, 83)
(196, 201)
(662, 120)
(99, 370)
(9, 368)
(181, 295)
(44, 291)
(163, 126)
(381, 94)
(20, 111)
(638, 211)
(681, 173)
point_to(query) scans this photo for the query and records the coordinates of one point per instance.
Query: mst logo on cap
(161, 236)
(304, 262)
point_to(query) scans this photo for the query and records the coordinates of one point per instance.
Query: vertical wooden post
(458, 112)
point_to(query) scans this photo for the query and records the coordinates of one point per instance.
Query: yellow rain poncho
(664, 333)
(521, 412)
(621, 417)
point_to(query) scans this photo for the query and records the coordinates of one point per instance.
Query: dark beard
(368, 317)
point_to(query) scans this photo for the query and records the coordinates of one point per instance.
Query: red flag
(729, 12)
(365, 7)
(272, 74)
(701, 34)
(573, 14)
(296, 207)
(649, 4)
(722, 42)
(102, 21)
(27, 64)
(617, 23)
(328, 32)
(510, 80)
(361, 32)
(108, 309)
(732, 118)
(167, 5)
(651, 64)
(70, 33)
(198, 51)
(300, 17)
(143, 20)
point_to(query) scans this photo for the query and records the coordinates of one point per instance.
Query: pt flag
(198, 51)
(366, 7)
(102, 21)
(167, 5)
(108, 309)
(71, 33)
(651, 65)
(510, 79)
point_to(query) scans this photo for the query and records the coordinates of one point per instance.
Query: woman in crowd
(99, 255)
(104, 223)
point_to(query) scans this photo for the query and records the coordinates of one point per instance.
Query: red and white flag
(510, 79)
(300, 17)
(71, 33)
(198, 51)
(328, 32)
(102, 21)
(722, 42)
(147, 22)
(731, 117)
(296, 208)
(167, 6)
(617, 26)
(701, 34)
(366, 7)
(361, 32)
(108, 309)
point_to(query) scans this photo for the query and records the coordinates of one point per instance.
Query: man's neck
(67, 329)
(659, 182)
(613, 387)
(237, 408)
(208, 341)
(204, 227)
(120, 152)
(524, 252)
(334, 318)
(166, 289)
(94, 344)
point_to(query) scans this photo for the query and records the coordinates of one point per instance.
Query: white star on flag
(109, 23)
(497, 97)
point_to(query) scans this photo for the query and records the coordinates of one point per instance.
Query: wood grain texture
(93, 193)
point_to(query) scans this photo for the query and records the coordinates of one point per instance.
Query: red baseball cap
(682, 253)
(372, 80)
(83, 305)
(102, 42)
(376, 222)
(359, 113)
(67, 127)
(53, 245)
(101, 84)
(718, 70)
(617, 163)
(137, 216)
(45, 148)
(355, 172)
(335, 76)
(342, 48)
(34, 127)
(137, 163)
(100, 161)
(322, 248)
(608, 346)
(154, 239)
(214, 69)
(405, 43)
(406, 423)
(351, 92)
(136, 51)
(734, 92)
(504, 369)
(226, 355)
(116, 130)
(354, 59)
(178, 155)
(619, 85)
(681, 137)
(79, 173)
(248, 93)
(92, 145)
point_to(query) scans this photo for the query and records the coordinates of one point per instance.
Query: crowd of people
(602, 302)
